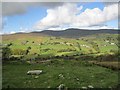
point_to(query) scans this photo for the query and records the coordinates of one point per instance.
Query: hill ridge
(75, 33)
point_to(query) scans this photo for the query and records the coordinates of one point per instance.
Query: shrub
(18, 52)
(6, 52)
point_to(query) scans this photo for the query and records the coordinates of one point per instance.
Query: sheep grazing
(34, 72)
(112, 43)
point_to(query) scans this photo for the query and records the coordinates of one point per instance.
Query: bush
(107, 57)
(18, 52)
(6, 52)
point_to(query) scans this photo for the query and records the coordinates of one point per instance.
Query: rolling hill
(76, 33)
(81, 58)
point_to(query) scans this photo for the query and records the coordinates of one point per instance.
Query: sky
(27, 17)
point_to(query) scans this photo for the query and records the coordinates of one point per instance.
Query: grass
(71, 73)
(48, 43)
(108, 64)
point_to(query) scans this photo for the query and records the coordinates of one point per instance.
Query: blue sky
(26, 20)
(33, 14)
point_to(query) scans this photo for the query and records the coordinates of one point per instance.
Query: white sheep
(112, 43)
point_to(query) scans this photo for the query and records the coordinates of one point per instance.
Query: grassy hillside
(73, 62)
(72, 74)
(45, 45)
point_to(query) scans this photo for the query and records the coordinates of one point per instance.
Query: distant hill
(75, 33)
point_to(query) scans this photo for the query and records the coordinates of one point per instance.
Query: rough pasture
(46, 45)
(71, 73)
(64, 61)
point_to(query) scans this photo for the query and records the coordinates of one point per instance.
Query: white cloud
(48, 0)
(12, 32)
(59, 16)
(21, 30)
(96, 16)
(1, 23)
(12, 8)
(60, 0)
(62, 14)
(25, 30)
(88, 28)
(67, 14)
(98, 27)
(17, 8)
(57, 28)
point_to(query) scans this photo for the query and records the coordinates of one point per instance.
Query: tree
(79, 46)
(33, 42)
(28, 50)
(6, 52)
(90, 50)
(9, 44)
(95, 46)
(18, 52)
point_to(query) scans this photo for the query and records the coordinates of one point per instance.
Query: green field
(64, 61)
(45, 45)
(71, 73)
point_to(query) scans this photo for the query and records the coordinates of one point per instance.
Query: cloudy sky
(34, 16)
